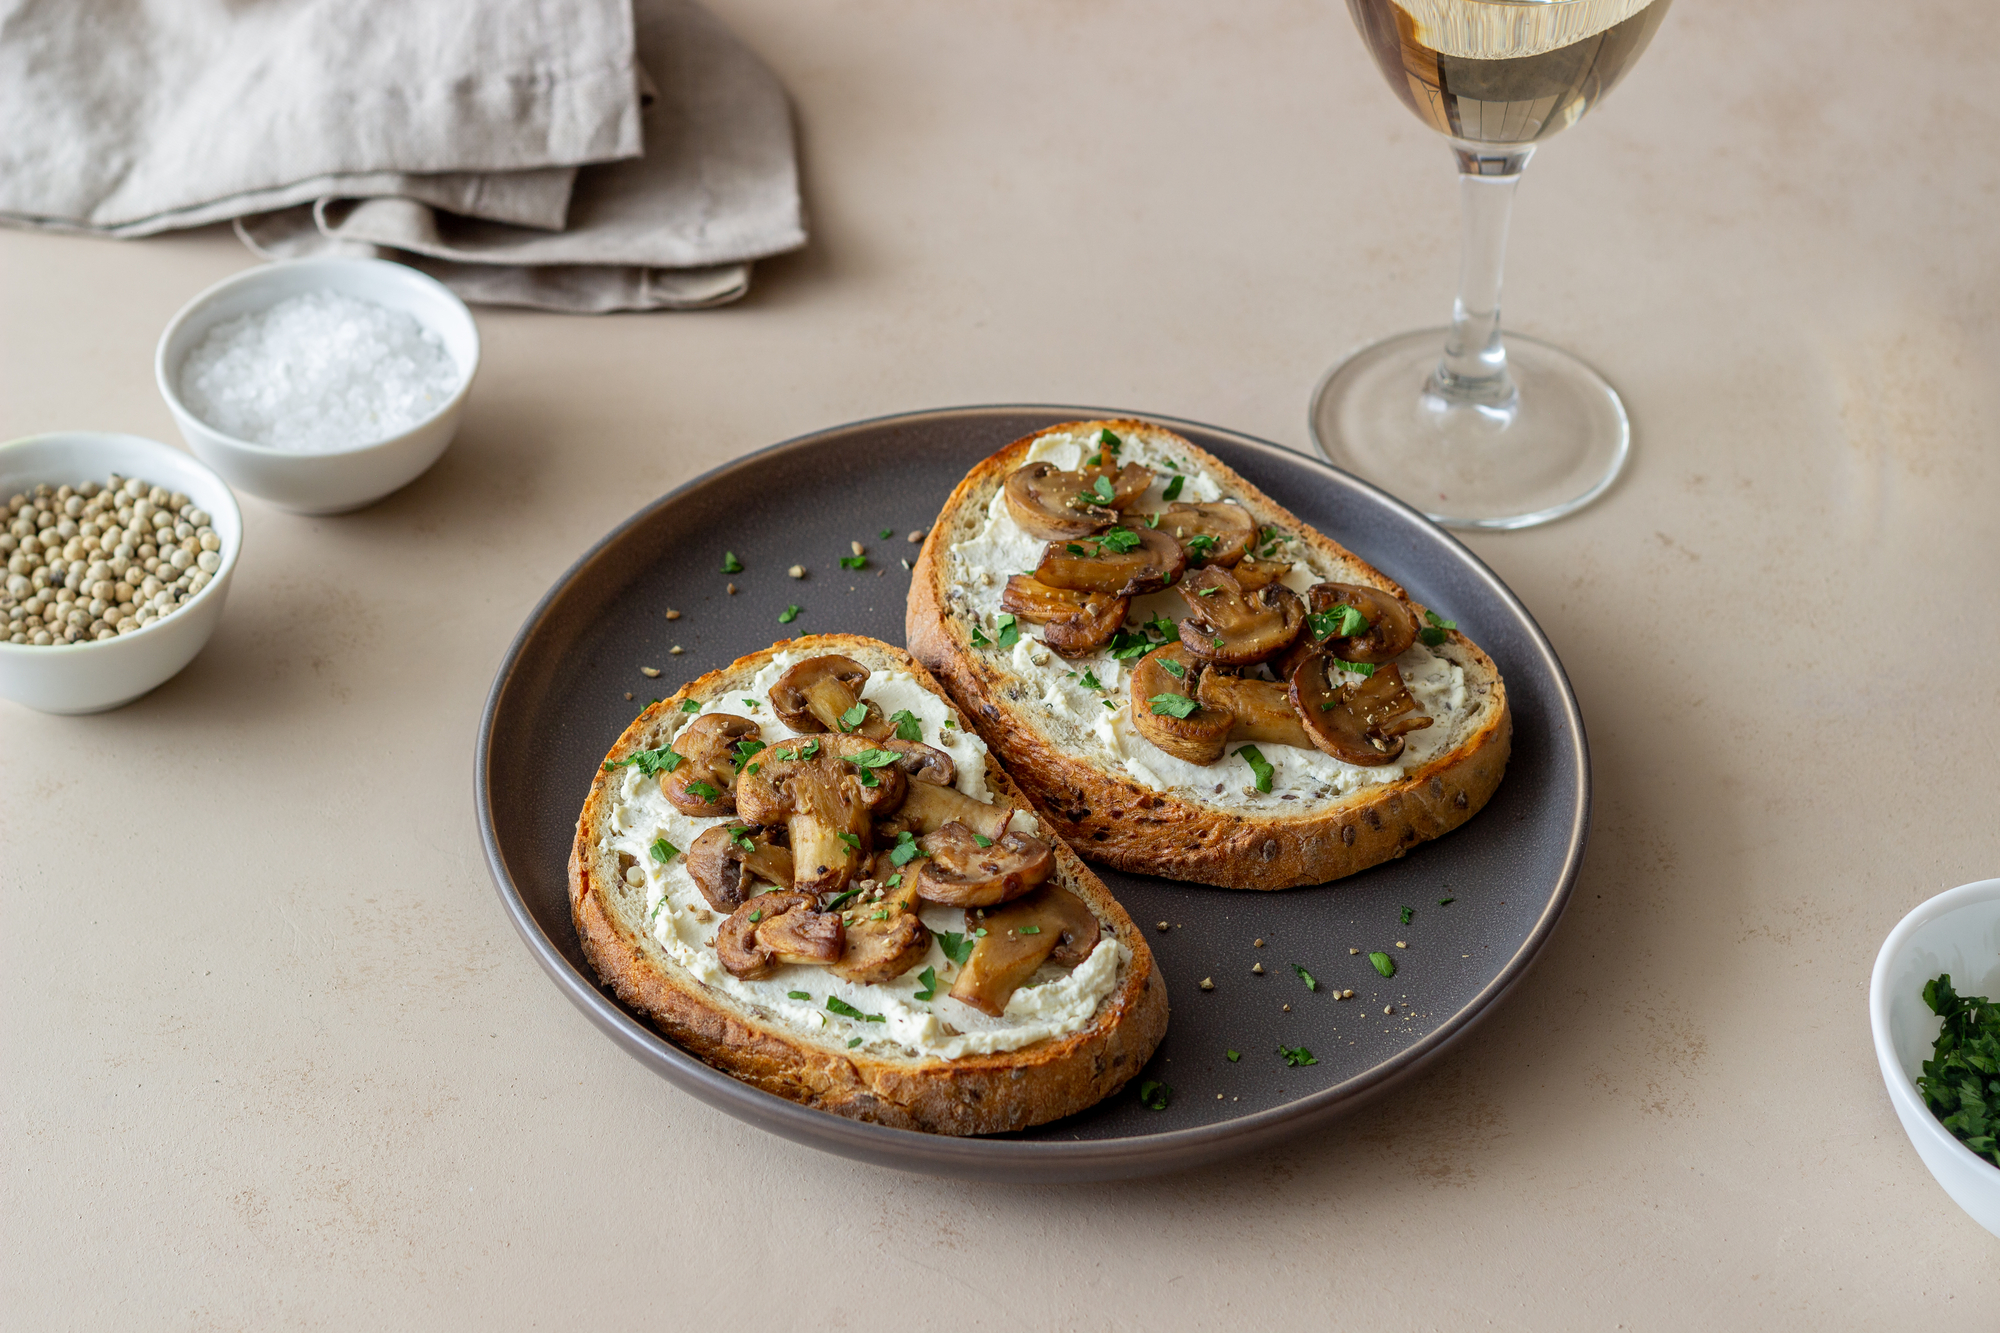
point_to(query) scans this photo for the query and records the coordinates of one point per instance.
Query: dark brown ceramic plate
(560, 700)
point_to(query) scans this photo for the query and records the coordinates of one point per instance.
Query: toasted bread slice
(1063, 725)
(935, 1064)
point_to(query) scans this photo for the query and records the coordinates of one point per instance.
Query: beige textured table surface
(274, 1058)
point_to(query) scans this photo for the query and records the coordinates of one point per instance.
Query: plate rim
(1032, 1160)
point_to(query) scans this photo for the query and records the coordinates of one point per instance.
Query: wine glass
(1475, 432)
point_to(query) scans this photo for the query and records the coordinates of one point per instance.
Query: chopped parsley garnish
(929, 977)
(1173, 705)
(798, 995)
(956, 947)
(730, 564)
(854, 717)
(1091, 681)
(1434, 633)
(1296, 1056)
(1232, 1056)
(1961, 1080)
(852, 1042)
(757, 915)
(708, 791)
(1118, 541)
(1126, 646)
(740, 835)
(788, 615)
(649, 762)
(1408, 912)
(751, 703)
(982, 840)
(1153, 520)
(1173, 668)
(663, 851)
(1208, 592)
(1306, 977)
(1173, 491)
(1164, 627)
(1074, 549)
(1200, 544)
(979, 639)
(1259, 765)
(854, 562)
(1383, 964)
(1029, 930)
(1362, 669)
(853, 842)
(1010, 631)
(872, 758)
(1446, 902)
(839, 899)
(908, 728)
(1154, 1095)
(894, 881)
(1101, 490)
(880, 915)
(979, 933)
(839, 1006)
(690, 705)
(1106, 439)
(886, 533)
(1341, 622)
(905, 850)
(743, 751)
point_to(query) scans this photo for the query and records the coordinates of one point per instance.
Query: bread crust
(977, 1094)
(1117, 821)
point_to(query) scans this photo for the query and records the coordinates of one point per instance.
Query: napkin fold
(504, 147)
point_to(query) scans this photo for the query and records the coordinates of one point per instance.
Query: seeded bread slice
(1110, 816)
(974, 1094)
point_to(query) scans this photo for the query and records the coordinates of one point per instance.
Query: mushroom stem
(1019, 937)
(929, 807)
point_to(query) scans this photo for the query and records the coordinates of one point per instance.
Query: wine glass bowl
(1473, 430)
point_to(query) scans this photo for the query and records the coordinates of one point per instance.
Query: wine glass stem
(1473, 371)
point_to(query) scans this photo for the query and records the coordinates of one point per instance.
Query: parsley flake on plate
(854, 562)
(1383, 963)
(1296, 1056)
(789, 614)
(1154, 1095)
(730, 564)
(1306, 977)
(1232, 1056)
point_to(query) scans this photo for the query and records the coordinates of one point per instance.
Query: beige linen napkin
(675, 229)
(128, 117)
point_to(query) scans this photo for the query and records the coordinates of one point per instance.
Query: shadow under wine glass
(1474, 431)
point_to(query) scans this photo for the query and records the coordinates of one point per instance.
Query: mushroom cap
(922, 763)
(1253, 573)
(1049, 924)
(1197, 738)
(724, 871)
(741, 944)
(1227, 529)
(964, 872)
(1045, 501)
(1392, 626)
(1230, 627)
(1259, 710)
(1150, 561)
(706, 747)
(1074, 623)
(815, 694)
(1362, 723)
(882, 943)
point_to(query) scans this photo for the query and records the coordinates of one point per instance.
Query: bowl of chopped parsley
(1934, 1005)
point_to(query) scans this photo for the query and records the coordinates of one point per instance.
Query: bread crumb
(1208, 983)
(1288, 1008)
(651, 673)
(1163, 926)
(675, 650)
(1354, 951)
(1256, 944)
(628, 696)
(1388, 1008)
(857, 548)
(916, 536)
(732, 590)
(1258, 968)
(1401, 945)
(673, 615)
(797, 571)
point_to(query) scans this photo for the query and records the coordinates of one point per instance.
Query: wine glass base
(1465, 466)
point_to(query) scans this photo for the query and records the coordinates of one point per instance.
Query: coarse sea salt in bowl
(320, 385)
(1957, 932)
(93, 675)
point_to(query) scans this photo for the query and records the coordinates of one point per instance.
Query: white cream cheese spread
(1096, 723)
(1056, 1001)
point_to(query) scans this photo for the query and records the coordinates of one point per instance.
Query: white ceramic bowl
(321, 483)
(104, 673)
(1956, 932)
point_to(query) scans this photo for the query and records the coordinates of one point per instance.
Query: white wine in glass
(1474, 431)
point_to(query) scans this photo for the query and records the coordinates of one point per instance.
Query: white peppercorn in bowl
(92, 675)
(337, 480)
